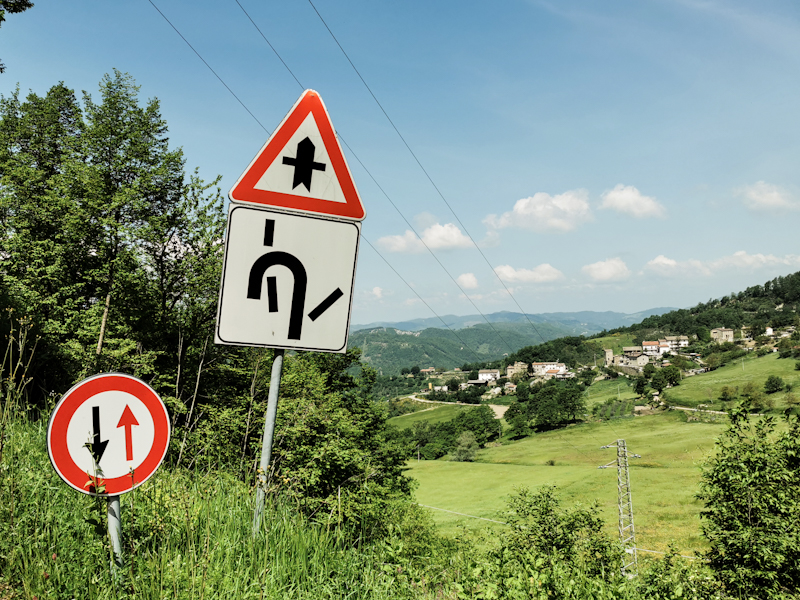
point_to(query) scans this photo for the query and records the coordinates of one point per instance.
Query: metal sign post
(115, 529)
(266, 442)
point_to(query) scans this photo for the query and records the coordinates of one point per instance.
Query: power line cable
(363, 166)
(268, 133)
(209, 67)
(420, 297)
(424, 170)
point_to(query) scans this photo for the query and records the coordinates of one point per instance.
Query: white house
(540, 368)
(488, 374)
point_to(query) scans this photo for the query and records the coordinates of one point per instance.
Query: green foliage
(659, 381)
(751, 492)
(434, 440)
(549, 552)
(334, 454)
(185, 535)
(478, 345)
(466, 448)
(672, 578)
(572, 351)
(773, 384)
(672, 374)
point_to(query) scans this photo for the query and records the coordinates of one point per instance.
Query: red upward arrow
(127, 420)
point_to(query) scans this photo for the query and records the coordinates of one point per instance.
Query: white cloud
(408, 242)
(468, 281)
(630, 201)
(541, 274)
(763, 196)
(668, 267)
(445, 236)
(613, 269)
(543, 212)
(377, 292)
(743, 260)
(436, 237)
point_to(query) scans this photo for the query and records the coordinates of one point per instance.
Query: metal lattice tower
(627, 533)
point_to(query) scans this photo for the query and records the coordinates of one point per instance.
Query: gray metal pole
(266, 442)
(115, 530)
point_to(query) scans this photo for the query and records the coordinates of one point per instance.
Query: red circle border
(59, 454)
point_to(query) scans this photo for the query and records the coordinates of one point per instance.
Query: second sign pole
(266, 442)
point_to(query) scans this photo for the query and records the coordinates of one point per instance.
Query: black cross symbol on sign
(303, 163)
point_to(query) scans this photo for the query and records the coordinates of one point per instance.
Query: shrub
(751, 492)
(466, 449)
(773, 384)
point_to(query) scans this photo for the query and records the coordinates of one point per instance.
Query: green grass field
(664, 481)
(705, 388)
(438, 413)
(615, 341)
(609, 389)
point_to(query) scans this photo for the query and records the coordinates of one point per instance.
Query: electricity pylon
(627, 533)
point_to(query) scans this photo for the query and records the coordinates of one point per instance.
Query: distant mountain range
(390, 346)
(593, 321)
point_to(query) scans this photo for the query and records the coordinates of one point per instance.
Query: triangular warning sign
(302, 167)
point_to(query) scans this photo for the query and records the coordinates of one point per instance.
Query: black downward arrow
(98, 447)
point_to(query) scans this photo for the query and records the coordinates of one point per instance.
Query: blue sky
(604, 156)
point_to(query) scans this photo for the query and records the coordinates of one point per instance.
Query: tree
(453, 384)
(467, 448)
(587, 377)
(726, 394)
(415, 370)
(334, 453)
(648, 370)
(473, 375)
(12, 6)
(517, 417)
(672, 374)
(773, 384)
(659, 381)
(751, 491)
(640, 386)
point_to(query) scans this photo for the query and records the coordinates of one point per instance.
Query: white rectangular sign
(287, 280)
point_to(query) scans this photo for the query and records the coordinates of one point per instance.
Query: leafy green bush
(751, 492)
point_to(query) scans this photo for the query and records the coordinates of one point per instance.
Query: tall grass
(185, 535)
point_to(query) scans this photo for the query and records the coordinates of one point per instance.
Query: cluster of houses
(638, 356)
(538, 370)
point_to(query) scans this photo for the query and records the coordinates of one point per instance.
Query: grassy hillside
(705, 388)
(664, 481)
(389, 351)
(435, 414)
(615, 341)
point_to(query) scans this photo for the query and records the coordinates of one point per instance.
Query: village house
(540, 368)
(488, 375)
(518, 368)
(676, 342)
(722, 334)
(650, 348)
(428, 371)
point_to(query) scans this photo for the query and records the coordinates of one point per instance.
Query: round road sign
(109, 430)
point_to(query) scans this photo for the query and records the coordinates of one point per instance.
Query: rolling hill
(389, 347)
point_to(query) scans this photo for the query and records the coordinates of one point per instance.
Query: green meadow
(615, 342)
(664, 481)
(438, 413)
(705, 388)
